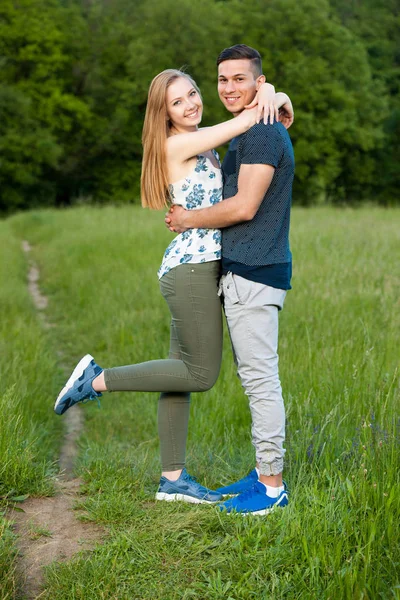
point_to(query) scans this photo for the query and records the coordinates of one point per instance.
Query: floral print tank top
(202, 188)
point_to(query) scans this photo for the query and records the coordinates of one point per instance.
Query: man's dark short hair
(240, 51)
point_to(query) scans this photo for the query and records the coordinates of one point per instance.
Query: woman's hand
(249, 117)
(286, 113)
(265, 103)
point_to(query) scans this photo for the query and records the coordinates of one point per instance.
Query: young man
(256, 265)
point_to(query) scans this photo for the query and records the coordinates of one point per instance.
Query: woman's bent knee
(203, 384)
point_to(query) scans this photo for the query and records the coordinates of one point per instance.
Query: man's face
(237, 84)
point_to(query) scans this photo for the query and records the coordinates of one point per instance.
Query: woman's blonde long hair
(154, 179)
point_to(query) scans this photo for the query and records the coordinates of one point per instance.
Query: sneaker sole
(182, 498)
(260, 513)
(76, 373)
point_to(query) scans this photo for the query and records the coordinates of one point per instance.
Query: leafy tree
(104, 162)
(126, 47)
(38, 111)
(75, 73)
(325, 69)
(27, 149)
(377, 25)
(322, 65)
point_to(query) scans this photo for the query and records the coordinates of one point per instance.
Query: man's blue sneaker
(79, 386)
(187, 489)
(255, 501)
(240, 486)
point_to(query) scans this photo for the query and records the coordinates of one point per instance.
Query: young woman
(179, 167)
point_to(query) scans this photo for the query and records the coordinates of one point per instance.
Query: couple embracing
(233, 243)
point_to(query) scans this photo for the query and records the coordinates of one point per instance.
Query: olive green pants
(194, 355)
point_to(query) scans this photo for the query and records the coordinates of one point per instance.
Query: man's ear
(259, 81)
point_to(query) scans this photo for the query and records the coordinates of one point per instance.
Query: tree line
(75, 73)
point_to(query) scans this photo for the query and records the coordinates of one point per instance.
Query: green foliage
(74, 78)
(28, 149)
(38, 112)
(29, 438)
(377, 24)
(325, 69)
(22, 467)
(7, 561)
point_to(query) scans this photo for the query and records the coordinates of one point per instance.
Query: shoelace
(253, 490)
(194, 480)
(191, 479)
(249, 492)
(86, 400)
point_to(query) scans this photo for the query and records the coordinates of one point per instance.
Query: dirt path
(48, 530)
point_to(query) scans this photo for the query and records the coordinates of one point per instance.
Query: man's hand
(175, 219)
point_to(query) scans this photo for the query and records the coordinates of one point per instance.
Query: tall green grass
(7, 561)
(339, 359)
(28, 373)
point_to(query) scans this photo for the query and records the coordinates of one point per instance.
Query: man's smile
(231, 99)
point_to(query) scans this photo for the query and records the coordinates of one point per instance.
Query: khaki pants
(251, 311)
(194, 356)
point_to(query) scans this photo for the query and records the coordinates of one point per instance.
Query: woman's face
(184, 105)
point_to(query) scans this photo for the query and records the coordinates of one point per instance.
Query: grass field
(29, 436)
(339, 361)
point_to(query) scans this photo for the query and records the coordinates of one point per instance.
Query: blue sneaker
(255, 501)
(187, 489)
(79, 386)
(240, 486)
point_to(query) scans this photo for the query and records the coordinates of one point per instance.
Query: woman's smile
(193, 114)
